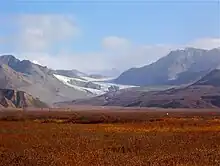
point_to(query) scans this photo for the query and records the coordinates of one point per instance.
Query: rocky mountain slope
(10, 98)
(52, 85)
(36, 80)
(213, 79)
(205, 93)
(178, 67)
(12, 79)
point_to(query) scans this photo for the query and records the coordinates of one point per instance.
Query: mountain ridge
(180, 67)
(189, 63)
(196, 95)
(36, 80)
(212, 78)
(51, 85)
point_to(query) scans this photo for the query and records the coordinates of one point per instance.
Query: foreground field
(110, 137)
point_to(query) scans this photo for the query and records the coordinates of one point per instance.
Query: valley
(193, 84)
(109, 83)
(202, 94)
(96, 86)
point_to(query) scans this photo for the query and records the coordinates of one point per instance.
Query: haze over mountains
(179, 67)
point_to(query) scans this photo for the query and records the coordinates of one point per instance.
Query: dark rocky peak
(15, 64)
(8, 59)
(181, 66)
(24, 66)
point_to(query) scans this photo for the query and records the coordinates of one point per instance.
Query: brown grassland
(110, 137)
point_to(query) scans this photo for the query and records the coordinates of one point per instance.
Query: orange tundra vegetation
(110, 138)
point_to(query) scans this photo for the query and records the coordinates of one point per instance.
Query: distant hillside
(10, 98)
(178, 67)
(205, 93)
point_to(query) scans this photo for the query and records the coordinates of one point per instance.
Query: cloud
(116, 43)
(66, 60)
(144, 54)
(41, 32)
(126, 54)
(100, 61)
(205, 43)
(35, 36)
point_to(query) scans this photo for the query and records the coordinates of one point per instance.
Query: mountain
(91, 84)
(10, 98)
(36, 80)
(52, 85)
(213, 79)
(11, 79)
(178, 67)
(205, 93)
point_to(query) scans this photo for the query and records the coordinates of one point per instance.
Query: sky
(97, 36)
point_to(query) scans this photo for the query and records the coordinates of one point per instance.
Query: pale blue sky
(142, 22)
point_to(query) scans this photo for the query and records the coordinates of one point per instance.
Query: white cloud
(145, 54)
(125, 54)
(136, 56)
(37, 35)
(64, 60)
(116, 43)
(205, 43)
(40, 32)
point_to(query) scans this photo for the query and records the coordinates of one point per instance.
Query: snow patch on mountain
(103, 84)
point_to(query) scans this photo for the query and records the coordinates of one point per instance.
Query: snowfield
(103, 82)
